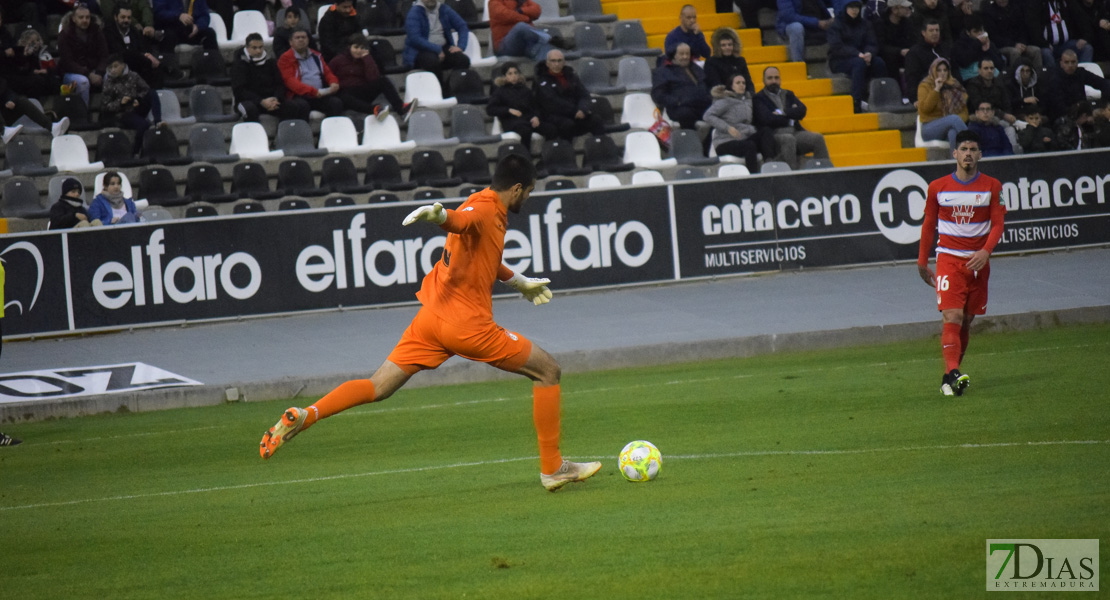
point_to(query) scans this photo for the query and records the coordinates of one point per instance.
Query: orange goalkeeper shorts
(429, 341)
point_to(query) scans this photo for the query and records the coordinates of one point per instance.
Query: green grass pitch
(836, 474)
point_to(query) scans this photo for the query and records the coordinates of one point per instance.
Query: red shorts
(957, 287)
(429, 341)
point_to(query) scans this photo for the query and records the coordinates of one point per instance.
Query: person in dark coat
(125, 39)
(1036, 137)
(678, 87)
(1058, 25)
(895, 34)
(339, 23)
(513, 104)
(83, 51)
(992, 138)
(563, 99)
(726, 60)
(257, 86)
(780, 111)
(922, 54)
(70, 210)
(854, 50)
(1005, 23)
(973, 45)
(1068, 82)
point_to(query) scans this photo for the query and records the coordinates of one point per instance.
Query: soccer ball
(640, 461)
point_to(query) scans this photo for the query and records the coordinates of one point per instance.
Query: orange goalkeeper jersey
(460, 286)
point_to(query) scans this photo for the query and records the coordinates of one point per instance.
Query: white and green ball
(640, 461)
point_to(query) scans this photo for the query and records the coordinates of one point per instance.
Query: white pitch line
(269, 483)
(519, 459)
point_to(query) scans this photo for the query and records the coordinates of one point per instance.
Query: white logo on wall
(31, 386)
(39, 270)
(898, 206)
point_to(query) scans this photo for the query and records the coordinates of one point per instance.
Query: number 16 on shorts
(942, 285)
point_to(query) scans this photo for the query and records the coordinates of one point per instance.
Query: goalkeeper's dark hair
(511, 170)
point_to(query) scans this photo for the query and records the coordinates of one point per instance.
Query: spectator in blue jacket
(678, 86)
(802, 23)
(854, 51)
(687, 33)
(184, 22)
(435, 38)
(110, 207)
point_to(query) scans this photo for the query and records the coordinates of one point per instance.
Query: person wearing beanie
(69, 211)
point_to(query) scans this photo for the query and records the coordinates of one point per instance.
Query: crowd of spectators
(994, 67)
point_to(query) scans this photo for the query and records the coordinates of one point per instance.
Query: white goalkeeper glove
(432, 213)
(534, 290)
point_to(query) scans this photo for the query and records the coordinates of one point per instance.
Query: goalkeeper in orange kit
(457, 318)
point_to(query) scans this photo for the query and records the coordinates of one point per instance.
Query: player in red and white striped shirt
(965, 207)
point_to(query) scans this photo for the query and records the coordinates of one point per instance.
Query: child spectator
(129, 99)
(285, 30)
(110, 207)
(1036, 137)
(69, 211)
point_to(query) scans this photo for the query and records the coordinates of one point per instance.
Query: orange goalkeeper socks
(347, 395)
(545, 414)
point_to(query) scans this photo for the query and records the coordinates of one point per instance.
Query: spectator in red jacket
(83, 51)
(360, 81)
(512, 31)
(308, 77)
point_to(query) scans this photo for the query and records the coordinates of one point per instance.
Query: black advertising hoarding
(845, 217)
(34, 284)
(588, 239)
(309, 260)
(1058, 201)
(249, 265)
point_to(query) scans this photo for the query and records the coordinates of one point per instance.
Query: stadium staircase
(852, 139)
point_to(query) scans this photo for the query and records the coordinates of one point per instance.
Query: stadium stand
(627, 33)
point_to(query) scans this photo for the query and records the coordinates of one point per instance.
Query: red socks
(347, 395)
(545, 414)
(951, 346)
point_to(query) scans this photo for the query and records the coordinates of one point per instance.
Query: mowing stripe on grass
(483, 463)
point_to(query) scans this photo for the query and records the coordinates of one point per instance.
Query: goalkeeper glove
(534, 290)
(433, 213)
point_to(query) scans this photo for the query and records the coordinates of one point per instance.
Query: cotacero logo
(898, 205)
